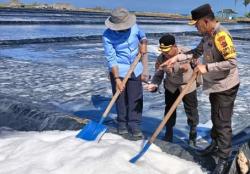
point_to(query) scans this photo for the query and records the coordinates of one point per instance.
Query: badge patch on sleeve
(225, 45)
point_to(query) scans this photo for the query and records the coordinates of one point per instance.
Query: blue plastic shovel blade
(92, 131)
(144, 149)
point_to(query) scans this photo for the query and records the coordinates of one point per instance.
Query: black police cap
(200, 12)
(166, 42)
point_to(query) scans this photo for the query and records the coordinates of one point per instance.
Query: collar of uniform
(217, 25)
(180, 49)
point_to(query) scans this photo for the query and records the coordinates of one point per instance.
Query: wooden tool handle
(173, 107)
(130, 71)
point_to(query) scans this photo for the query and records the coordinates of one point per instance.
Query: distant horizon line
(107, 9)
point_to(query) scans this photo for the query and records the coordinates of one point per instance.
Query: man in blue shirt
(123, 40)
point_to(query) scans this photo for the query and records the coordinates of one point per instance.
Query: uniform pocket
(133, 46)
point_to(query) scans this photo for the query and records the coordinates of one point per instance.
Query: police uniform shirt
(220, 56)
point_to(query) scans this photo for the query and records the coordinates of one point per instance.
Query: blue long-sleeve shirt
(121, 48)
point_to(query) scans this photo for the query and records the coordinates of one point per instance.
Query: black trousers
(222, 104)
(129, 104)
(190, 105)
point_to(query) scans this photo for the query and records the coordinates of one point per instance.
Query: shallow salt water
(73, 77)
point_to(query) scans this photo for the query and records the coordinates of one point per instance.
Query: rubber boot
(221, 167)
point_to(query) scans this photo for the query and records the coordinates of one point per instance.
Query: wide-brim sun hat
(120, 19)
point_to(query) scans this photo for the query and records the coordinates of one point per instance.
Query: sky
(60, 152)
(170, 6)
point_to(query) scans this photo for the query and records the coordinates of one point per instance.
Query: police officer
(175, 80)
(220, 80)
